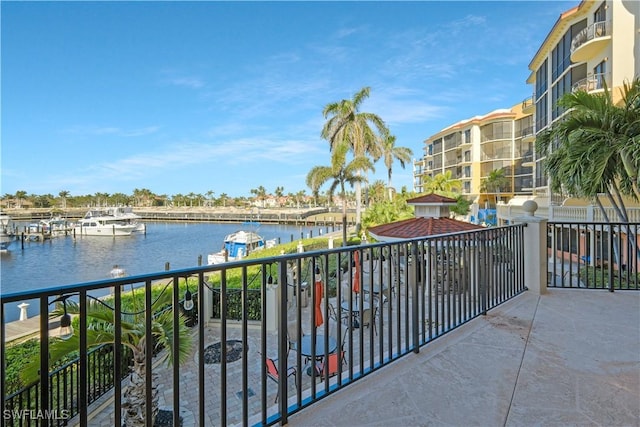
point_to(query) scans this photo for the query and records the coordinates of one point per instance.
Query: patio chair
(333, 312)
(292, 336)
(368, 319)
(272, 372)
(330, 365)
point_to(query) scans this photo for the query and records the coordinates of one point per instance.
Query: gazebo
(432, 217)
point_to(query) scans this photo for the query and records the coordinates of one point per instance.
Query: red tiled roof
(421, 227)
(431, 198)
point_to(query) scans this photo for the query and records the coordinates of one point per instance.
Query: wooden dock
(29, 328)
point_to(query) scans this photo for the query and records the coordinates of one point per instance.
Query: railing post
(413, 279)
(283, 344)
(535, 248)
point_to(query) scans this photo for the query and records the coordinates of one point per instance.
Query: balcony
(528, 105)
(591, 83)
(450, 312)
(532, 361)
(590, 41)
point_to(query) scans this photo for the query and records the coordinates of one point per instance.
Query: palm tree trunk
(344, 216)
(134, 395)
(358, 188)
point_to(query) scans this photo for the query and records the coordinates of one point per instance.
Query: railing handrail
(591, 31)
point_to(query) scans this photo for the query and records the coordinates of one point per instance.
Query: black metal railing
(362, 307)
(594, 255)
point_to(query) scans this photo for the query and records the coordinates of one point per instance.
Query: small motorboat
(238, 245)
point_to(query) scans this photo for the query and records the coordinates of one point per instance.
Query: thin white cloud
(112, 130)
(190, 82)
(243, 155)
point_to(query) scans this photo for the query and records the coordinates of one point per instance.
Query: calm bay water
(65, 260)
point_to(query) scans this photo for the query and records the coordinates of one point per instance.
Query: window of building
(467, 136)
(599, 72)
(541, 112)
(496, 130)
(600, 14)
(437, 146)
(541, 80)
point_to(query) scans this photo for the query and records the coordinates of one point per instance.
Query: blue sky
(181, 97)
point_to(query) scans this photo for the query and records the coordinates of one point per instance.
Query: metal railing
(591, 83)
(593, 31)
(594, 255)
(407, 292)
(64, 388)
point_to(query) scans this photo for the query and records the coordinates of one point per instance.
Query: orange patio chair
(272, 372)
(330, 365)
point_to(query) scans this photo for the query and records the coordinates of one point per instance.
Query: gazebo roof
(419, 227)
(431, 199)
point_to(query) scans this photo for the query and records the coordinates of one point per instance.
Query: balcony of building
(397, 333)
(591, 83)
(590, 41)
(528, 105)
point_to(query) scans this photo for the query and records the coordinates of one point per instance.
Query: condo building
(594, 45)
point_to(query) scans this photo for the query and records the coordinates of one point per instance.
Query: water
(65, 260)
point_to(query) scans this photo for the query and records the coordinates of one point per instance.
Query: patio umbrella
(318, 298)
(356, 276)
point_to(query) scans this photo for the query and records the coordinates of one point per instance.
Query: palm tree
(340, 173)
(100, 331)
(390, 153)
(349, 126)
(223, 199)
(441, 183)
(596, 148)
(261, 194)
(210, 194)
(63, 196)
(494, 182)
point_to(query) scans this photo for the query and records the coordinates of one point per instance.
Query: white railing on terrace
(595, 30)
(569, 213)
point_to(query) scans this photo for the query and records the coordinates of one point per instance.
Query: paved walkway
(567, 358)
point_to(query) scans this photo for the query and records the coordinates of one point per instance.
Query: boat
(239, 244)
(102, 222)
(52, 227)
(126, 213)
(7, 231)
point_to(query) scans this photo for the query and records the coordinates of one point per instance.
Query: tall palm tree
(346, 125)
(223, 198)
(100, 331)
(390, 153)
(340, 174)
(261, 194)
(596, 147)
(63, 197)
(494, 183)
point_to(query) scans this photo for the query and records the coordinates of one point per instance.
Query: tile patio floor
(569, 357)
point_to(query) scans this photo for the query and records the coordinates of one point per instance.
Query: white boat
(54, 226)
(99, 222)
(126, 213)
(7, 231)
(238, 245)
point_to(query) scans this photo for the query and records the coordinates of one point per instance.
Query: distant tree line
(144, 197)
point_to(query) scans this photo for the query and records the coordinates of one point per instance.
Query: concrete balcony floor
(568, 357)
